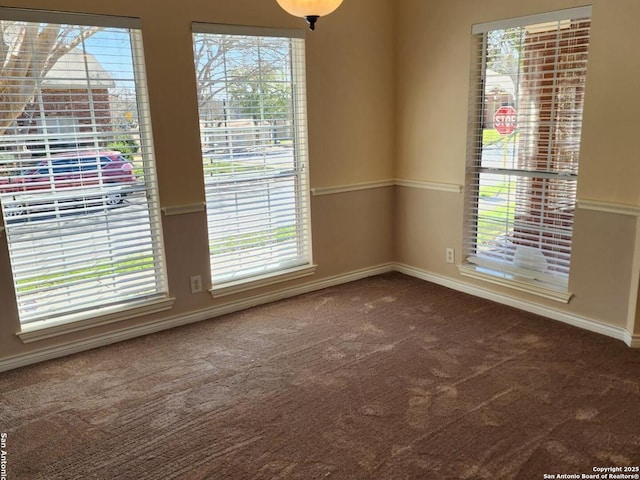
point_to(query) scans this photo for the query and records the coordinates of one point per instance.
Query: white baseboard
(579, 321)
(49, 353)
(632, 340)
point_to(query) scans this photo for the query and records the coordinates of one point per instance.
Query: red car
(67, 175)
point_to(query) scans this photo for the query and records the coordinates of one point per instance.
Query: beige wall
(351, 137)
(388, 84)
(433, 72)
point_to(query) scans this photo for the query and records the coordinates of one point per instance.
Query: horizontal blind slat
(523, 180)
(253, 133)
(77, 180)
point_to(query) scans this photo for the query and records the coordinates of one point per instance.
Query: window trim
(85, 19)
(554, 16)
(260, 281)
(301, 156)
(227, 29)
(475, 266)
(110, 312)
(505, 279)
(43, 329)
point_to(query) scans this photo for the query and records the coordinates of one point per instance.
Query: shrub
(126, 145)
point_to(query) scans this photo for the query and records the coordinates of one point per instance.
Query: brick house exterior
(73, 99)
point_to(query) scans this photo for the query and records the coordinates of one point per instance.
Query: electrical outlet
(196, 284)
(451, 255)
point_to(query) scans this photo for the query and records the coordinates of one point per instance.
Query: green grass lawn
(92, 272)
(244, 241)
(490, 136)
(497, 220)
(225, 167)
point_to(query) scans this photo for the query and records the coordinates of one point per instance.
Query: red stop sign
(504, 120)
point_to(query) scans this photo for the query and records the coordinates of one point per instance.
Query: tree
(229, 63)
(28, 51)
(264, 99)
(504, 52)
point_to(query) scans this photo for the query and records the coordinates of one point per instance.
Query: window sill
(44, 329)
(508, 280)
(252, 283)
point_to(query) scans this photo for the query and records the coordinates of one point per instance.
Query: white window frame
(525, 279)
(79, 319)
(304, 265)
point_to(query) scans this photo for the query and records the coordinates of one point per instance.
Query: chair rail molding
(391, 182)
(609, 207)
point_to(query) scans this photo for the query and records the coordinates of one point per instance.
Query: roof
(499, 82)
(77, 70)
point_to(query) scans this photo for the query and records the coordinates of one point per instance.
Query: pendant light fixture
(310, 10)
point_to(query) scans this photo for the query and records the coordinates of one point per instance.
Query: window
(523, 164)
(77, 182)
(251, 94)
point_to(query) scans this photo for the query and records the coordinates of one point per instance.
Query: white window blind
(525, 145)
(251, 93)
(77, 183)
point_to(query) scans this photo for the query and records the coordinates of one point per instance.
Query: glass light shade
(309, 8)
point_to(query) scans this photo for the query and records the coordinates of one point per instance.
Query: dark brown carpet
(384, 378)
